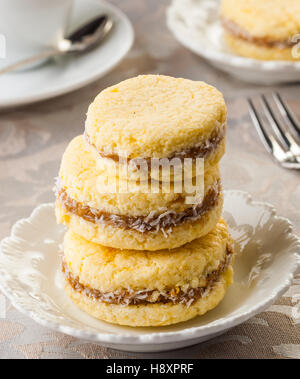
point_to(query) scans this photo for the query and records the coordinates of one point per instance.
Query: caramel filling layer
(152, 222)
(200, 150)
(241, 33)
(131, 297)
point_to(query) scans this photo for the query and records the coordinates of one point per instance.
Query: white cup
(29, 27)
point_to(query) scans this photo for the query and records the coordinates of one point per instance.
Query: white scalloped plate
(268, 256)
(196, 25)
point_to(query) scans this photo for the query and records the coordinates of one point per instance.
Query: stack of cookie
(138, 251)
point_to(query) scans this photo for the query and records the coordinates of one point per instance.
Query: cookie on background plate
(143, 288)
(264, 30)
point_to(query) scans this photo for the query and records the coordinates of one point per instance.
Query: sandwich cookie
(265, 30)
(144, 288)
(156, 117)
(132, 220)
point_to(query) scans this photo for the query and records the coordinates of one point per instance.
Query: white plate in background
(268, 256)
(196, 25)
(65, 74)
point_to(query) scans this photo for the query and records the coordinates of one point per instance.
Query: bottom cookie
(158, 314)
(145, 288)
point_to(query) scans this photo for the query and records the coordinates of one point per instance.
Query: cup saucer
(63, 75)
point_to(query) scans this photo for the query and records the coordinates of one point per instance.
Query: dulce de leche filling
(237, 31)
(150, 223)
(200, 150)
(130, 297)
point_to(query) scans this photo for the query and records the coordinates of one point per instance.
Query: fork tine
(274, 122)
(269, 142)
(286, 113)
(293, 145)
(259, 127)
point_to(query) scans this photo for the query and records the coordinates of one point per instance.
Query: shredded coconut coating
(152, 314)
(119, 238)
(153, 222)
(108, 269)
(128, 296)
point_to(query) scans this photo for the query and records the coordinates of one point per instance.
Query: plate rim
(83, 82)
(188, 334)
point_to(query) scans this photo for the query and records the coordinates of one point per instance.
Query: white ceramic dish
(268, 256)
(196, 25)
(66, 74)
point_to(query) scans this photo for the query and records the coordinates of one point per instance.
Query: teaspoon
(83, 39)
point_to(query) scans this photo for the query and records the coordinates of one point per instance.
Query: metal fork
(284, 147)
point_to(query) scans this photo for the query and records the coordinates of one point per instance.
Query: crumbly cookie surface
(154, 116)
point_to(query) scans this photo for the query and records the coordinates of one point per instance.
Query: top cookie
(274, 20)
(155, 116)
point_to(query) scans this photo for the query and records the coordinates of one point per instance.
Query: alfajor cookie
(131, 220)
(265, 30)
(155, 116)
(143, 288)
